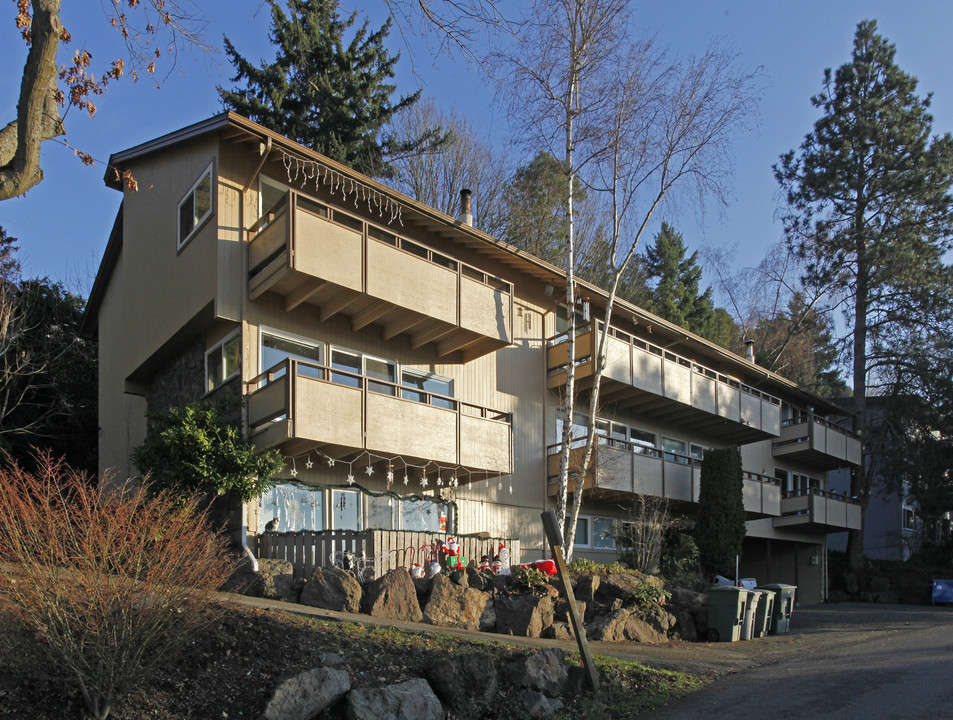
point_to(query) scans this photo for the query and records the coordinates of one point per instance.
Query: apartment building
(410, 367)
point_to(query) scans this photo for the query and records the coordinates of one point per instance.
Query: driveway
(840, 662)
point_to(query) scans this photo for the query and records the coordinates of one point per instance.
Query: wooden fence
(377, 550)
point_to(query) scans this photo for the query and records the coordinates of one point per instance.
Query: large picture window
(417, 385)
(275, 348)
(196, 207)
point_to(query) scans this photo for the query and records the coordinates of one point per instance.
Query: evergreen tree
(720, 529)
(675, 293)
(324, 92)
(869, 209)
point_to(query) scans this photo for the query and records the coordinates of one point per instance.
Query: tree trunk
(38, 117)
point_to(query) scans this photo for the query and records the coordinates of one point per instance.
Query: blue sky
(63, 224)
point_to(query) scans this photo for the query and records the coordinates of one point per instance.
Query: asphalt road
(842, 662)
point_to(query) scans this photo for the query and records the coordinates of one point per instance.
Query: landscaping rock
(305, 695)
(524, 615)
(537, 705)
(244, 580)
(558, 631)
(464, 681)
(411, 700)
(585, 588)
(277, 580)
(460, 578)
(545, 671)
(476, 579)
(333, 589)
(330, 659)
(685, 624)
(649, 625)
(450, 605)
(422, 586)
(393, 597)
(561, 611)
(616, 585)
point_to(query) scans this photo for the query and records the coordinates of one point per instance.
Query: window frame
(427, 375)
(219, 347)
(611, 538)
(588, 521)
(197, 223)
(264, 330)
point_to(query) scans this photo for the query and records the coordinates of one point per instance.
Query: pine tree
(869, 210)
(675, 289)
(324, 92)
(720, 529)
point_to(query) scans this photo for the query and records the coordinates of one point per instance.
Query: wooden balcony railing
(301, 405)
(310, 252)
(817, 442)
(638, 374)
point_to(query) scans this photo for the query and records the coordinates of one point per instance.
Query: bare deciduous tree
(466, 160)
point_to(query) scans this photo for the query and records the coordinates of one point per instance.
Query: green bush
(720, 528)
(191, 450)
(644, 595)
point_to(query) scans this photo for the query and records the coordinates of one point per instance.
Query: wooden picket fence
(374, 551)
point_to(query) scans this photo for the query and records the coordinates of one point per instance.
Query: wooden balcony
(620, 469)
(299, 406)
(818, 443)
(644, 379)
(819, 510)
(311, 253)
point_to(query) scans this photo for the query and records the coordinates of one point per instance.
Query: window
(270, 194)
(346, 510)
(383, 370)
(223, 362)
(909, 519)
(643, 442)
(603, 533)
(675, 450)
(348, 362)
(195, 207)
(697, 451)
(288, 508)
(422, 515)
(423, 383)
(582, 532)
(277, 348)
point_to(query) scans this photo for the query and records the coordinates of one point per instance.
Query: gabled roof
(240, 130)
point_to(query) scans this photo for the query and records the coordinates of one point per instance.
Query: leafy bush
(720, 529)
(645, 594)
(112, 583)
(585, 565)
(680, 561)
(528, 579)
(191, 450)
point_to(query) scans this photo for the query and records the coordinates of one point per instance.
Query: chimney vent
(465, 217)
(749, 350)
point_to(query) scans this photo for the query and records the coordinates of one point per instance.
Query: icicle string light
(303, 172)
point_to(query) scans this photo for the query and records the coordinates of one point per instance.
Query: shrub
(585, 565)
(528, 579)
(720, 529)
(192, 450)
(111, 583)
(644, 595)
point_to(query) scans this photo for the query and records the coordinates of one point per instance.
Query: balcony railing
(299, 405)
(817, 442)
(624, 467)
(820, 510)
(309, 252)
(650, 380)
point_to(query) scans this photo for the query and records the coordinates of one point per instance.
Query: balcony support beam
(453, 344)
(336, 305)
(302, 293)
(368, 315)
(434, 333)
(401, 325)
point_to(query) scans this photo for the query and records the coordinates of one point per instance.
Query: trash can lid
(777, 587)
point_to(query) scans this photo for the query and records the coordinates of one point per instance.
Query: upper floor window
(196, 207)
(223, 362)
(418, 384)
(276, 348)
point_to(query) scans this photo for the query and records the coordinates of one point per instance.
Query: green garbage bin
(726, 613)
(783, 607)
(762, 620)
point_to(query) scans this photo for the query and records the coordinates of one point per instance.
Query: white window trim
(182, 242)
(292, 337)
(217, 347)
